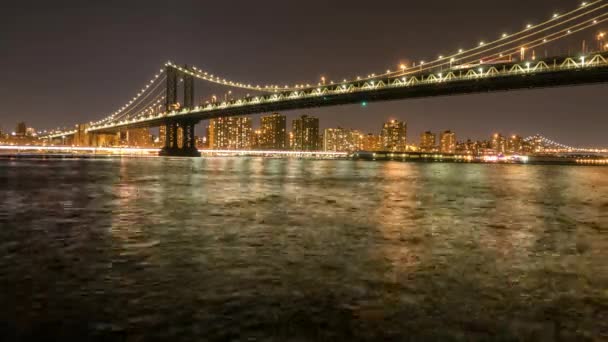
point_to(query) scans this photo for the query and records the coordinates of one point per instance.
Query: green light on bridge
(364, 104)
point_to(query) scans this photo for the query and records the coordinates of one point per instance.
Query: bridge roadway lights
(180, 140)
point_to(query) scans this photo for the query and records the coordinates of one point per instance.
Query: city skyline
(553, 112)
(237, 134)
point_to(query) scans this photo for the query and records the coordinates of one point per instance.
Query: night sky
(66, 62)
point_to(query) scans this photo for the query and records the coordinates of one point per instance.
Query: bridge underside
(561, 78)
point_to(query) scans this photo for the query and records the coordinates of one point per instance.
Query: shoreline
(409, 158)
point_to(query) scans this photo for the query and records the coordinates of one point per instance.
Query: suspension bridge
(507, 63)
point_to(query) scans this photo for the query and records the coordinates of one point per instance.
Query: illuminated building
(162, 132)
(139, 137)
(394, 136)
(201, 142)
(342, 140)
(372, 142)
(256, 139)
(30, 132)
(516, 144)
(469, 147)
(499, 143)
(290, 140)
(233, 133)
(428, 142)
(305, 133)
(105, 140)
(448, 142)
(274, 132)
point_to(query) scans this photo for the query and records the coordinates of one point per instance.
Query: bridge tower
(179, 133)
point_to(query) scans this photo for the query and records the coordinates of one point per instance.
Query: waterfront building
(469, 147)
(428, 142)
(162, 131)
(233, 133)
(273, 132)
(321, 140)
(499, 143)
(105, 140)
(343, 140)
(394, 136)
(256, 138)
(516, 144)
(372, 142)
(139, 137)
(448, 142)
(30, 132)
(305, 133)
(201, 142)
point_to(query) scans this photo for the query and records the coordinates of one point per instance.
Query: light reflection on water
(236, 248)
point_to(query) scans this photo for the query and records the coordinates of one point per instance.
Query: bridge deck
(555, 72)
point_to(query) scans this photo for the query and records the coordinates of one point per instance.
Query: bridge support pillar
(180, 140)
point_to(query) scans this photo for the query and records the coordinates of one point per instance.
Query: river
(235, 249)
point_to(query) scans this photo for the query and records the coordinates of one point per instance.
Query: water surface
(148, 249)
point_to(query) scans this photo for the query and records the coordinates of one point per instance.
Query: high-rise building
(516, 144)
(448, 142)
(428, 142)
(21, 129)
(499, 143)
(305, 133)
(233, 133)
(394, 136)
(372, 142)
(273, 132)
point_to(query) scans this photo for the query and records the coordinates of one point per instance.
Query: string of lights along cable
(515, 50)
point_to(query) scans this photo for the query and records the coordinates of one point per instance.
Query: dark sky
(74, 61)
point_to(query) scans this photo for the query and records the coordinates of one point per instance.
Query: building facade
(448, 142)
(305, 131)
(428, 142)
(273, 133)
(233, 133)
(372, 142)
(516, 144)
(394, 136)
(139, 137)
(499, 143)
(343, 140)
